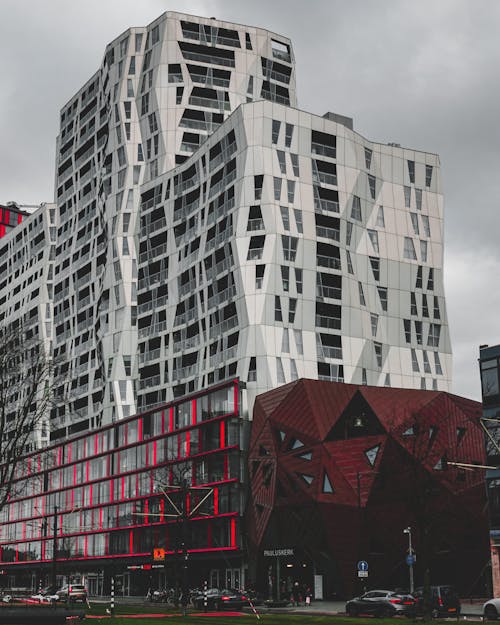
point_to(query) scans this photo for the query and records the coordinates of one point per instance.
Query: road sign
(158, 554)
(362, 566)
(362, 573)
(410, 559)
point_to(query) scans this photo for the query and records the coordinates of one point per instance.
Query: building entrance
(122, 584)
(94, 584)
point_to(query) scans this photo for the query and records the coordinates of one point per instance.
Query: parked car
(444, 600)
(45, 595)
(381, 603)
(72, 592)
(491, 609)
(225, 599)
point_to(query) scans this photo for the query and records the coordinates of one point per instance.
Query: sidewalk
(469, 609)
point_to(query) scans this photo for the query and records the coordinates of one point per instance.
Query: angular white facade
(294, 248)
(159, 93)
(207, 228)
(27, 259)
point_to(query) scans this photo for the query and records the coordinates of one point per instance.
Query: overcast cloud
(423, 74)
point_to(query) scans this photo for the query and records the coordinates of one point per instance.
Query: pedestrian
(296, 593)
(308, 595)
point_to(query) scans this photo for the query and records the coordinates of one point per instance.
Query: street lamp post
(54, 548)
(407, 530)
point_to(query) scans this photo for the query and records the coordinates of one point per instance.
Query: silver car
(491, 609)
(382, 603)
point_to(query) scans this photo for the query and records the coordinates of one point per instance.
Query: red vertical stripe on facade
(222, 434)
(131, 542)
(171, 420)
(139, 425)
(193, 412)
(86, 546)
(19, 218)
(236, 397)
(216, 501)
(188, 443)
(233, 532)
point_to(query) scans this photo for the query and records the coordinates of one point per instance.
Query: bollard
(112, 606)
(205, 597)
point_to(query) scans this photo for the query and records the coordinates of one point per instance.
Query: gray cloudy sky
(424, 74)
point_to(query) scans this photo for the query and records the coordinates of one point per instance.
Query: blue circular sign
(362, 565)
(410, 559)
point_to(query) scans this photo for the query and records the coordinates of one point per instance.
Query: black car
(382, 603)
(444, 600)
(225, 599)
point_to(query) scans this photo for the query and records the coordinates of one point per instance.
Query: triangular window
(440, 464)
(295, 443)
(409, 432)
(460, 434)
(267, 474)
(282, 436)
(371, 454)
(255, 467)
(433, 431)
(307, 478)
(306, 456)
(327, 485)
(358, 420)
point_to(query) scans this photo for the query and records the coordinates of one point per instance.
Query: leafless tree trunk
(26, 378)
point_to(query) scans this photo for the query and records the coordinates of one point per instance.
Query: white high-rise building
(159, 93)
(27, 259)
(292, 247)
(208, 228)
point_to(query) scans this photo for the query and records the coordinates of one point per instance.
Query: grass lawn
(194, 618)
(218, 619)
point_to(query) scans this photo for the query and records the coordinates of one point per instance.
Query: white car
(491, 609)
(45, 596)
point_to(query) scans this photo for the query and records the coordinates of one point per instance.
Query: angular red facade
(337, 472)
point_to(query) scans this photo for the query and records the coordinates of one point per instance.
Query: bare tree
(26, 376)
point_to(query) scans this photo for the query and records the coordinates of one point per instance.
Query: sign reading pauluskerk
(276, 553)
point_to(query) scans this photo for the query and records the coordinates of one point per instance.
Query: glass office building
(105, 502)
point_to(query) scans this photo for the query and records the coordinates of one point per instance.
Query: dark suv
(444, 600)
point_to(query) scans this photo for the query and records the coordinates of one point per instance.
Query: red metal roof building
(337, 472)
